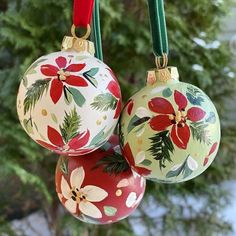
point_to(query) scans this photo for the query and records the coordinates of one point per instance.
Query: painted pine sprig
(34, 93)
(113, 164)
(104, 102)
(161, 148)
(69, 128)
(199, 132)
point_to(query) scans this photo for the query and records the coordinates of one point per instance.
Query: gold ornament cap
(78, 44)
(162, 75)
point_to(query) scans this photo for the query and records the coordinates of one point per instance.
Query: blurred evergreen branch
(29, 29)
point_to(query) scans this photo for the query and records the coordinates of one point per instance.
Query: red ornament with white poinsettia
(69, 101)
(100, 187)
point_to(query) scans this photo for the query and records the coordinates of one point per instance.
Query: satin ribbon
(82, 12)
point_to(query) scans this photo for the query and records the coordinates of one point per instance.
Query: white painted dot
(131, 199)
(123, 183)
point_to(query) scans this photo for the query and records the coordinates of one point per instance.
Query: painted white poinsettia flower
(82, 197)
(143, 112)
(192, 164)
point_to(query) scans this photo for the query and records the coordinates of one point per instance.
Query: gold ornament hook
(162, 62)
(87, 34)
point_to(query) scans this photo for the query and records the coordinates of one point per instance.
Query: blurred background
(202, 37)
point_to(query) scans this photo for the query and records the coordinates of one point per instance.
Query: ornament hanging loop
(85, 36)
(79, 44)
(162, 62)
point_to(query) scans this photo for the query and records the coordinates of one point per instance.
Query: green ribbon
(96, 31)
(158, 27)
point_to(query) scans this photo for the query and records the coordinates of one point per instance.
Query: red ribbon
(82, 12)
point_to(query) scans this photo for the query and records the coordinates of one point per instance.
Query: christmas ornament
(170, 130)
(69, 101)
(99, 187)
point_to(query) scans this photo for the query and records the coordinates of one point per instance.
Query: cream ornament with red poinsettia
(69, 101)
(99, 187)
(170, 131)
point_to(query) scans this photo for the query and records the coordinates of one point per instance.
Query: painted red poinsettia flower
(114, 89)
(127, 152)
(62, 73)
(177, 119)
(74, 146)
(129, 106)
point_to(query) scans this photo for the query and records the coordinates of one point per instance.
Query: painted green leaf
(54, 118)
(32, 71)
(92, 72)
(146, 162)
(173, 173)
(102, 137)
(34, 93)
(106, 146)
(131, 125)
(88, 75)
(187, 171)
(77, 96)
(68, 96)
(25, 81)
(177, 171)
(70, 126)
(121, 136)
(28, 126)
(195, 96)
(211, 118)
(136, 121)
(64, 165)
(194, 100)
(167, 93)
(140, 130)
(98, 138)
(182, 169)
(110, 131)
(104, 102)
(109, 211)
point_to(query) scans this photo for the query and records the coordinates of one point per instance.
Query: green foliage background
(29, 29)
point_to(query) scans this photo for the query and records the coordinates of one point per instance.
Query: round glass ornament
(99, 187)
(69, 101)
(169, 130)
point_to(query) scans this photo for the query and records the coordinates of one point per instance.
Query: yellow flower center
(179, 116)
(77, 195)
(62, 75)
